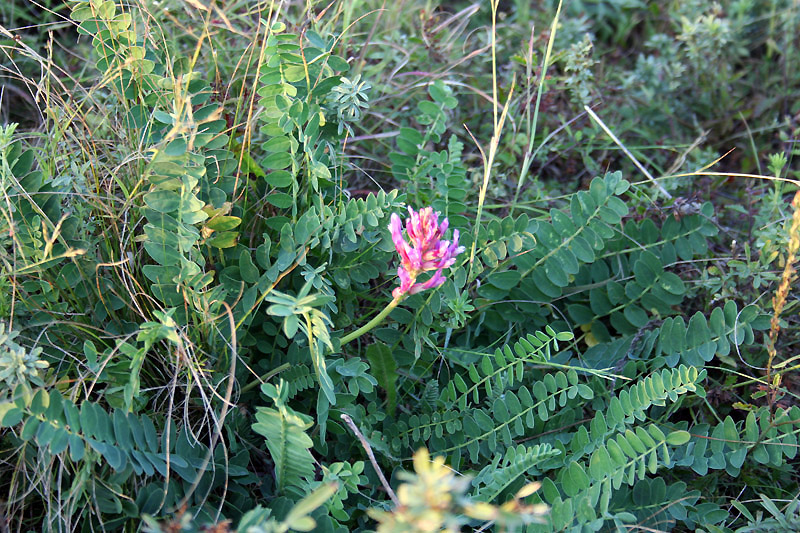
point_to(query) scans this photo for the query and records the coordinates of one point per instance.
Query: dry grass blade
(627, 152)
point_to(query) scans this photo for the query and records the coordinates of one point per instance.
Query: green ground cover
(229, 299)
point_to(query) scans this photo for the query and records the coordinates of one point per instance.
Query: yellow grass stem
(779, 300)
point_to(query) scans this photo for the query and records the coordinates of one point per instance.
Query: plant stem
(370, 454)
(495, 4)
(266, 377)
(347, 338)
(526, 163)
(372, 323)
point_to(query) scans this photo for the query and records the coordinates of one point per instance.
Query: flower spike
(426, 251)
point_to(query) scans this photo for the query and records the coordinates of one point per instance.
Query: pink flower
(425, 253)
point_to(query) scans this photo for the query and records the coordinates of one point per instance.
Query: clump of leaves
(18, 365)
(578, 69)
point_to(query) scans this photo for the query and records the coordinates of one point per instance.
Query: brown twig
(368, 449)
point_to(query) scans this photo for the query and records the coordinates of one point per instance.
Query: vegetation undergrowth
(407, 266)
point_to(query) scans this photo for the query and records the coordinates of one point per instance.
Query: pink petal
(443, 227)
(396, 229)
(400, 244)
(436, 280)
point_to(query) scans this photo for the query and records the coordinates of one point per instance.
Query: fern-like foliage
(568, 240)
(300, 313)
(630, 282)
(187, 140)
(287, 441)
(486, 425)
(674, 342)
(435, 178)
(498, 371)
(293, 115)
(725, 446)
(615, 450)
(504, 471)
(622, 460)
(110, 448)
(630, 406)
(36, 236)
(56, 424)
(297, 379)
(491, 429)
(651, 503)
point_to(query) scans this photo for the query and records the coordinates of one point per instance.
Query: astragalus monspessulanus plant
(332, 266)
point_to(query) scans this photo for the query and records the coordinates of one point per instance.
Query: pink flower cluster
(426, 252)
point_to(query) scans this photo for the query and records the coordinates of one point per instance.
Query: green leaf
(176, 148)
(678, 438)
(40, 402)
(384, 368)
(287, 442)
(505, 280)
(278, 144)
(225, 239)
(276, 161)
(600, 464)
(338, 64)
(223, 223)
(247, 269)
(29, 429)
(76, 448)
(555, 271)
(309, 504)
(730, 431)
(301, 523)
(672, 283)
(582, 250)
(10, 414)
(163, 201)
(280, 200)
(279, 178)
(163, 255)
(636, 315)
(564, 336)
(751, 428)
(59, 441)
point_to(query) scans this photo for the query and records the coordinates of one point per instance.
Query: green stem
(372, 323)
(347, 338)
(526, 162)
(266, 377)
